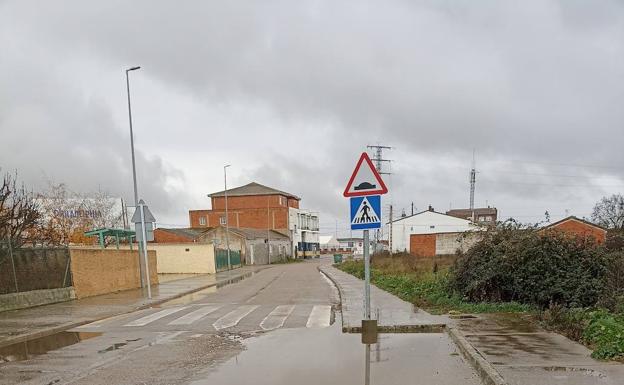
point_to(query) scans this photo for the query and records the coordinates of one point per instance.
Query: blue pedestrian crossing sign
(366, 212)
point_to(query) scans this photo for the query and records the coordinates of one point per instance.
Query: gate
(221, 259)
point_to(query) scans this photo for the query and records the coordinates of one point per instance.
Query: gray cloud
(293, 90)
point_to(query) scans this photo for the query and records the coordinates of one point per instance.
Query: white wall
(427, 222)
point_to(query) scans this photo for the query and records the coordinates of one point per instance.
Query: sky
(290, 93)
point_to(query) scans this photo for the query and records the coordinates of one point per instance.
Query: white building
(328, 243)
(425, 222)
(304, 230)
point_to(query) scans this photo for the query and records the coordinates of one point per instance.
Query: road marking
(195, 315)
(97, 324)
(233, 318)
(277, 317)
(156, 316)
(319, 316)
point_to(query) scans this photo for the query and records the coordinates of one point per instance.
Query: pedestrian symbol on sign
(365, 212)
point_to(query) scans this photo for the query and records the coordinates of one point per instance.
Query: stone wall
(449, 243)
(97, 271)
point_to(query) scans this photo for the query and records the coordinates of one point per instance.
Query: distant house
(478, 215)
(418, 231)
(328, 243)
(353, 245)
(254, 244)
(580, 228)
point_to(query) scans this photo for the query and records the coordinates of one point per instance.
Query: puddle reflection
(25, 350)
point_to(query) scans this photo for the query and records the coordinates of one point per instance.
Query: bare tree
(19, 212)
(609, 212)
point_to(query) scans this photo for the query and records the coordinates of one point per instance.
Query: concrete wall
(257, 251)
(449, 243)
(28, 299)
(97, 271)
(35, 269)
(194, 258)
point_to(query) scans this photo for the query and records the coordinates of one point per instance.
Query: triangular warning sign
(365, 179)
(365, 214)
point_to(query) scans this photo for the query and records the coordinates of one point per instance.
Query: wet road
(273, 327)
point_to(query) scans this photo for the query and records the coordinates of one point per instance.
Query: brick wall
(423, 245)
(581, 229)
(164, 236)
(254, 218)
(97, 271)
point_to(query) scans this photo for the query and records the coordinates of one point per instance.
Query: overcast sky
(290, 92)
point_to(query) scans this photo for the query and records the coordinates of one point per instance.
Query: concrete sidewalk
(24, 324)
(395, 315)
(512, 349)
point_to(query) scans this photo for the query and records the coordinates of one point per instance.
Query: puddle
(22, 351)
(201, 294)
(313, 356)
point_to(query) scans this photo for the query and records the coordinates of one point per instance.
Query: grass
(413, 280)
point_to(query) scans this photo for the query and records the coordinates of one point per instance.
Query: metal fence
(221, 259)
(33, 268)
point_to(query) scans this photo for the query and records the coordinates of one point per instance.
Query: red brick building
(251, 206)
(164, 235)
(580, 228)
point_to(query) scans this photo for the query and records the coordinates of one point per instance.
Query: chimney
(430, 208)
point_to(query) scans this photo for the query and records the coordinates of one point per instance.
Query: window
(222, 219)
(202, 221)
(187, 250)
(432, 227)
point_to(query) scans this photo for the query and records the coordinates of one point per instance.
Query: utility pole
(390, 230)
(227, 222)
(473, 179)
(378, 160)
(269, 230)
(412, 208)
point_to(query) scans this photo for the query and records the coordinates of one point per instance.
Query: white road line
(156, 316)
(97, 324)
(233, 318)
(195, 315)
(319, 316)
(277, 317)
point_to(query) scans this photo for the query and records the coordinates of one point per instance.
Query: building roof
(573, 218)
(257, 233)
(190, 233)
(426, 211)
(249, 233)
(252, 188)
(463, 213)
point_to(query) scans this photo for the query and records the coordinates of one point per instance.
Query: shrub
(606, 333)
(512, 263)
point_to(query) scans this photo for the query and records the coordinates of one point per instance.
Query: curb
(489, 375)
(339, 293)
(418, 328)
(71, 325)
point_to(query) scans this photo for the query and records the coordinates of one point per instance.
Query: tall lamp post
(134, 179)
(227, 226)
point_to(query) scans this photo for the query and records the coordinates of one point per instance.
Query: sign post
(364, 190)
(143, 220)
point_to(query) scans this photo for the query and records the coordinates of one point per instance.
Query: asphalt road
(170, 343)
(275, 327)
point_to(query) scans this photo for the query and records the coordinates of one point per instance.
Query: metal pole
(13, 265)
(134, 178)
(147, 277)
(227, 222)
(367, 365)
(269, 231)
(367, 311)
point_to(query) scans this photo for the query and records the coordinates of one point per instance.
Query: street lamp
(136, 194)
(134, 179)
(227, 227)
